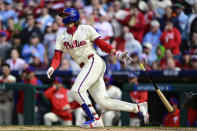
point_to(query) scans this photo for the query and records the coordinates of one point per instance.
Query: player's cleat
(97, 123)
(143, 111)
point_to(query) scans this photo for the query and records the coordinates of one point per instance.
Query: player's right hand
(50, 72)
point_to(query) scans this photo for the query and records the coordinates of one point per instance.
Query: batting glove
(50, 72)
(123, 56)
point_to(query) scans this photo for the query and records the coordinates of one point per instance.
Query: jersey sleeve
(59, 44)
(92, 34)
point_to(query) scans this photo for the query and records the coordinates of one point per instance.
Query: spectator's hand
(123, 56)
(50, 72)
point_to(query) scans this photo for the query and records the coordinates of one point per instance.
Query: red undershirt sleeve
(56, 59)
(104, 46)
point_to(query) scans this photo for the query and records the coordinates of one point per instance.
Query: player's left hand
(123, 56)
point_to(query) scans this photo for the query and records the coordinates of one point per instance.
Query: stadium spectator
(104, 28)
(194, 62)
(136, 58)
(131, 44)
(172, 119)
(192, 22)
(61, 109)
(28, 78)
(114, 10)
(171, 38)
(171, 65)
(15, 62)
(155, 66)
(136, 22)
(169, 17)
(147, 51)
(30, 28)
(13, 29)
(45, 18)
(16, 43)
(49, 41)
(34, 46)
(183, 20)
(160, 51)
(186, 60)
(5, 46)
(193, 43)
(8, 11)
(153, 36)
(112, 64)
(6, 96)
(168, 55)
(136, 97)
(65, 65)
(36, 63)
(111, 118)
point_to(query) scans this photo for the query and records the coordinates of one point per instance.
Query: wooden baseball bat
(160, 94)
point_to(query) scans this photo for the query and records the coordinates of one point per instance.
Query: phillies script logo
(74, 44)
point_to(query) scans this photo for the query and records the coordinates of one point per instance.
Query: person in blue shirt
(34, 46)
(153, 37)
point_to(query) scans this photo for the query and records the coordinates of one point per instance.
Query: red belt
(82, 63)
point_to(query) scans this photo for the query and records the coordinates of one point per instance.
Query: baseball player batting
(78, 41)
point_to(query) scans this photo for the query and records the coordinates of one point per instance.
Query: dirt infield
(63, 128)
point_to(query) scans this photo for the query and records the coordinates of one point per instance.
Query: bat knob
(142, 67)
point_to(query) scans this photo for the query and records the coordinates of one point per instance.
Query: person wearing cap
(110, 118)
(153, 36)
(5, 46)
(34, 46)
(6, 96)
(36, 63)
(172, 119)
(171, 38)
(136, 97)
(183, 20)
(28, 78)
(61, 109)
(147, 51)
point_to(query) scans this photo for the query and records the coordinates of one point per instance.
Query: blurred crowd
(161, 34)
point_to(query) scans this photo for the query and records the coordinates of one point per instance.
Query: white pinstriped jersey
(80, 44)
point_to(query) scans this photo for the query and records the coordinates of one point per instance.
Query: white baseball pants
(91, 78)
(50, 118)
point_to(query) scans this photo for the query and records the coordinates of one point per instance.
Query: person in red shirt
(136, 21)
(171, 38)
(172, 119)
(137, 97)
(168, 55)
(61, 109)
(28, 77)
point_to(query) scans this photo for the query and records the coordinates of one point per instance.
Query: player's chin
(69, 25)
